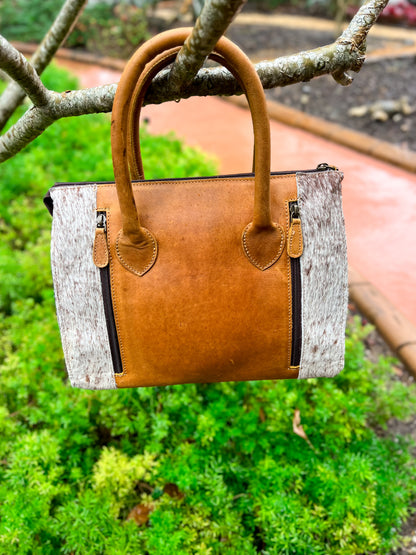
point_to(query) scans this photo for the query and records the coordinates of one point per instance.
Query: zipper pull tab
(324, 166)
(100, 250)
(295, 237)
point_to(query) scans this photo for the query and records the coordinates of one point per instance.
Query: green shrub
(192, 469)
(107, 28)
(27, 20)
(111, 30)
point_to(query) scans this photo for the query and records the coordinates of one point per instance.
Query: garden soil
(378, 81)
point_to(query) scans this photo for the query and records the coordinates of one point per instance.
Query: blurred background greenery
(117, 28)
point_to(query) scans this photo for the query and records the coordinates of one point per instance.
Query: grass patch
(209, 469)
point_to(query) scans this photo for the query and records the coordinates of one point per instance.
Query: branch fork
(185, 79)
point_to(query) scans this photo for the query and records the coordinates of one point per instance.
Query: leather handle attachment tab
(136, 246)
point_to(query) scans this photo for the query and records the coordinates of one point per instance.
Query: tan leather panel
(134, 236)
(263, 247)
(203, 313)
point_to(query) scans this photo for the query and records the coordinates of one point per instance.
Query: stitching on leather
(164, 181)
(208, 179)
(290, 240)
(289, 295)
(253, 260)
(126, 265)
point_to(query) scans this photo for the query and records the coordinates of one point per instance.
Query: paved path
(326, 25)
(379, 199)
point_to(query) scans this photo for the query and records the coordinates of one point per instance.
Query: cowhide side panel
(77, 285)
(324, 274)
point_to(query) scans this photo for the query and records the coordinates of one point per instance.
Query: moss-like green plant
(116, 475)
(192, 469)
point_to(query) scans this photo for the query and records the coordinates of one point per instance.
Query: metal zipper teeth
(108, 306)
(296, 304)
(319, 168)
(294, 267)
(49, 204)
(206, 178)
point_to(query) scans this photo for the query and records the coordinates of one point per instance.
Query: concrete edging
(376, 148)
(75, 56)
(396, 330)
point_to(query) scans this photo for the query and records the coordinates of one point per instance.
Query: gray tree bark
(182, 80)
(14, 95)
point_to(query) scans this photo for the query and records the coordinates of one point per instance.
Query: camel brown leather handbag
(239, 277)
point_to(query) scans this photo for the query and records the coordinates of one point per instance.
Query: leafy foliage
(26, 20)
(201, 469)
(118, 29)
(103, 27)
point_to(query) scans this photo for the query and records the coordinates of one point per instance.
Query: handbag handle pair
(136, 246)
(136, 105)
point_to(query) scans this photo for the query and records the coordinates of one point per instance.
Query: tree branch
(215, 17)
(38, 118)
(346, 53)
(13, 96)
(22, 72)
(280, 72)
(359, 27)
(356, 33)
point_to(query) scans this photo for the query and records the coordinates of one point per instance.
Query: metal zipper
(101, 224)
(324, 166)
(295, 249)
(49, 204)
(294, 267)
(296, 285)
(320, 167)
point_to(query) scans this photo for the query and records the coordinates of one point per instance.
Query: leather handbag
(237, 277)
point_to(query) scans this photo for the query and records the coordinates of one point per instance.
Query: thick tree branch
(356, 33)
(359, 27)
(34, 122)
(280, 72)
(22, 72)
(215, 17)
(346, 53)
(13, 96)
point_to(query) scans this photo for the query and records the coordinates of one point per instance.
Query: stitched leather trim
(128, 266)
(254, 261)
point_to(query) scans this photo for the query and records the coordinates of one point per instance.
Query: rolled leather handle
(133, 124)
(136, 105)
(137, 244)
